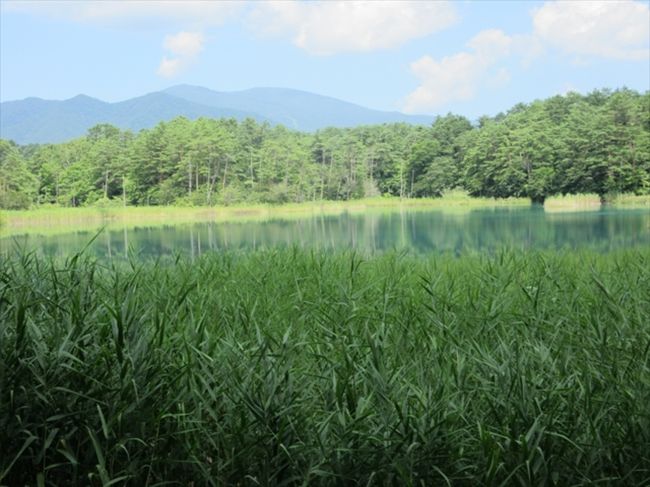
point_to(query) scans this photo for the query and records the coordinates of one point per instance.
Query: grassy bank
(300, 368)
(572, 202)
(592, 202)
(50, 220)
(53, 220)
(630, 200)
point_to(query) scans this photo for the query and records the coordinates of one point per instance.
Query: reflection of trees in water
(435, 231)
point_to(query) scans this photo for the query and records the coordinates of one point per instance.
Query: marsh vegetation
(297, 367)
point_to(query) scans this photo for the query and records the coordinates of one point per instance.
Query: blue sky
(471, 58)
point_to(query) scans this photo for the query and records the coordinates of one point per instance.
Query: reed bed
(630, 201)
(291, 367)
(573, 202)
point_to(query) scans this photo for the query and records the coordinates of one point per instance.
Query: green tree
(18, 186)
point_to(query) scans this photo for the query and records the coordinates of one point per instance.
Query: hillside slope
(34, 120)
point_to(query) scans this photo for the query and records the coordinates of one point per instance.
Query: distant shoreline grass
(56, 220)
(630, 200)
(292, 367)
(592, 202)
(572, 202)
(49, 220)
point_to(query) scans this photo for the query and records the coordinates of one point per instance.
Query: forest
(568, 144)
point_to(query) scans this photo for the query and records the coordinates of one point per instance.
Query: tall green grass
(292, 367)
(630, 200)
(592, 202)
(573, 202)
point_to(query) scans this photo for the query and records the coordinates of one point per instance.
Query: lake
(481, 230)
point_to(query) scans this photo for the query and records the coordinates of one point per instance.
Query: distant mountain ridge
(34, 120)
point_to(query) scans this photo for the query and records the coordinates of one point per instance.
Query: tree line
(594, 143)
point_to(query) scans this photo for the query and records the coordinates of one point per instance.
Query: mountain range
(34, 120)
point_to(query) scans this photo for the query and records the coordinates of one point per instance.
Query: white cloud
(169, 67)
(131, 13)
(185, 46)
(457, 77)
(330, 27)
(609, 29)
(490, 44)
(616, 29)
(184, 43)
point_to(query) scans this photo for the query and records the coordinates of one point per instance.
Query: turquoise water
(418, 231)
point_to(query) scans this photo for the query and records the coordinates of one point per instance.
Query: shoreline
(51, 220)
(60, 218)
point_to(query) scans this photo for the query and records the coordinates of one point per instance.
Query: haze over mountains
(34, 120)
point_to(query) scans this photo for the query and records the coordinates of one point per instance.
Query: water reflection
(419, 231)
